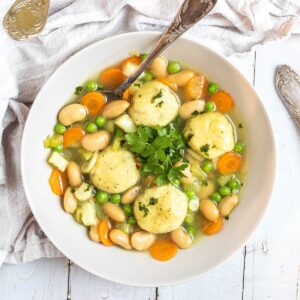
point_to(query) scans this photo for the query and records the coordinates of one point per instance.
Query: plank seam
(69, 281)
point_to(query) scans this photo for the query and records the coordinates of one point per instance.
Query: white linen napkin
(234, 26)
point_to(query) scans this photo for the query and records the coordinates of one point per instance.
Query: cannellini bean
(130, 195)
(142, 240)
(74, 174)
(209, 210)
(181, 78)
(189, 178)
(94, 233)
(72, 113)
(181, 238)
(69, 201)
(120, 238)
(228, 204)
(114, 212)
(96, 141)
(186, 110)
(159, 67)
(114, 108)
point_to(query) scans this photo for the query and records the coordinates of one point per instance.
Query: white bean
(96, 141)
(142, 240)
(181, 78)
(209, 210)
(114, 109)
(69, 201)
(130, 195)
(74, 174)
(228, 204)
(181, 238)
(114, 212)
(120, 238)
(187, 109)
(72, 113)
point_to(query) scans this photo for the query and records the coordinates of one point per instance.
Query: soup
(155, 170)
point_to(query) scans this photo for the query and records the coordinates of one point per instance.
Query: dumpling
(115, 171)
(210, 134)
(160, 209)
(153, 104)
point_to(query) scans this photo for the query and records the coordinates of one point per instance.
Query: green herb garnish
(159, 104)
(240, 125)
(153, 201)
(204, 148)
(144, 208)
(78, 90)
(158, 95)
(195, 113)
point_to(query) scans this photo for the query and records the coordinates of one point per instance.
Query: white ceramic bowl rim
(165, 271)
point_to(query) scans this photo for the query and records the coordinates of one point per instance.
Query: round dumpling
(153, 104)
(210, 134)
(160, 209)
(115, 171)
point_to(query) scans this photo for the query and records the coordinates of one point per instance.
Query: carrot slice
(163, 250)
(211, 228)
(196, 87)
(132, 59)
(58, 182)
(126, 95)
(104, 228)
(111, 78)
(73, 136)
(223, 101)
(94, 102)
(172, 85)
(229, 163)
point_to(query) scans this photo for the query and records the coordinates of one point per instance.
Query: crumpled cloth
(234, 26)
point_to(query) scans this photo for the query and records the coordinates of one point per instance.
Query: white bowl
(131, 267)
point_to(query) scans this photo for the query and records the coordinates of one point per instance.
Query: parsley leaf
(241, 125)
(143, 207)
(78, 90)
(195, 113)
(204, 148)
(159, 104)
(158, 95)
(153, 201)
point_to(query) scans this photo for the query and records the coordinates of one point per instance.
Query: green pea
(239, 147)
(143, 56)
(60, 129)
(100, 121)
(148, 76)
(191, 195)
(212, 88)
(234, 183)
(216, 197)
(189, 218)
(190, 229)
(127, 209)
(209, 106)
(91, 86)
(59, 148)
(173, 67)
(207, 166)
(225, 191)
(131, 221)
(116, 198)
(91, 127)
(102, 197)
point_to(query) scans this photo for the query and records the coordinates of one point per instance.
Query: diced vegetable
(224, 179)
(125, 227)
(73, 136)
(194, 204)
(189, 218)
(89, 214)
(110, 126)
(197, 171)
(57, 160)
(58, 182)
(193, 187)
(87, 166)
(126, 123)
(196, 88)
(78, 215)
(84, 192)
(53, 141)
(86, 155)
(99, 211)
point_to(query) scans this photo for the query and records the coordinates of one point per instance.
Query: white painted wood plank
(41, 279)
(85, 286)
(273, 255)
(226, 281)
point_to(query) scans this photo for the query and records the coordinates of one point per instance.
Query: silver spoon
(188, 15)
(26, 18)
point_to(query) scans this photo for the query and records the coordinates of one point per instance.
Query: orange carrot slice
(126, 95)
(73, 136)
(163, 250)
(229, 163)
(223, 101)
(111, 78)
(94, 102)
(172, 85)
(58, 182)
(196, 87)
(211, 228)
(104, 228)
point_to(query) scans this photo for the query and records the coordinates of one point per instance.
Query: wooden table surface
(267, 267)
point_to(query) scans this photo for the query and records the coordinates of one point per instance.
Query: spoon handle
(188, 15)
